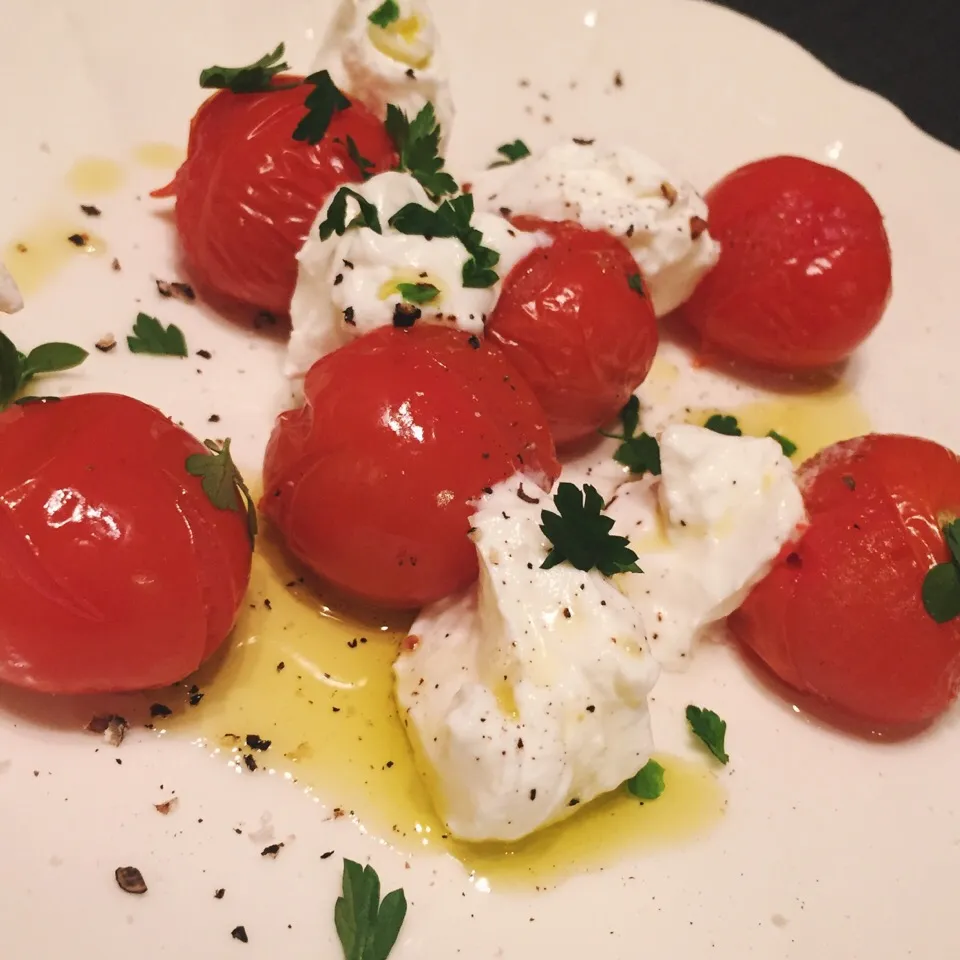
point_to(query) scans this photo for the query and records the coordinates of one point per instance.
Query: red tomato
(840, 615)
(570, 322)
(804, 270)
(248, 192)
(371, 482)
(116, 570)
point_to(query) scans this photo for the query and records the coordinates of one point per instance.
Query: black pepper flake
(520, 743)
(504, 212)
(338, 279)
(583, 142)
(239, 933)
(618, 79)
(264, 319)
(218, 893)
(411, 74)
(250, 762)
(281, 666)
(181, 291)
(573, 802)
(115, 265)
(256, 743)
(78, 239)
(90, 210)
(267, 603)
(352, 644)
(205, 354)
(272, 850)
(213, 418)
(327, 855)
(474, 342)
(488, 489)
(849, 482)
(348, 317)
(406, 314)
(195, 695)
(566, 613)
(533, 794)
(348, 264)
(130, 880)
(524, 496)
(159, 710)
(590, 708)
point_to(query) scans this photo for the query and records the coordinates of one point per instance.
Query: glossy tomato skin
(248, 192)
(840, 615)
(804, 273)
(371, 481)
(570, 322)
(116, 570)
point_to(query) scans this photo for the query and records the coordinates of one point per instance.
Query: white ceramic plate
(830, 847)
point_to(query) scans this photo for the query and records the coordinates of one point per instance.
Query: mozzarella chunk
(526, 695)
(660, 218)
(706, 532)
(401, 63)
(347, 286)
(10, 299)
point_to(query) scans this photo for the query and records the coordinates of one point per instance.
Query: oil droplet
(314, 675)
(37, 255)
(90, 176)
(812, 420)
(159, 156)
(660, 381)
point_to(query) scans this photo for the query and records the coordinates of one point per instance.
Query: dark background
(909, 52)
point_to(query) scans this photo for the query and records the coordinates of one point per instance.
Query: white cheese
(660, 218)
(706, 532)
(526, 695)
(10, 299)
(346, 286)
(401, 63)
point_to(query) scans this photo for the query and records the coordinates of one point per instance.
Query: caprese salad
(468, 440)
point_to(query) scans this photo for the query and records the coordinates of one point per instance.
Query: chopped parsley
(254, 78)
(363, 164)
(722, 423)
(788, 446)
(322, 103)
(710, 729)
(648, 782)
(635, 282)
(941, 585)
(388, 12)
(336, 221)
(418, 292)
(18, 369)
(511, 153)
(367, 926)
(640, 453)
(452, 219)
(418, 144)
(151, 336)
(222, 482)
(580, 534)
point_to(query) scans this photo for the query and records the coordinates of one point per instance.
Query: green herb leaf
(253, 78)
(322, 103)
(17, 370)
(580, 534)
(641, 454)
(951, 533)
(941, 592)
(150, 336)
(478, 270)
(222, 482)
(367, 927)
(635, 282)
(363, 164)
(710, 729)
(418, 145)
(337, 215)
(788, 446)
(418, 292)
(727, 425)
(648, 782)
(511, 152)
(388, 12)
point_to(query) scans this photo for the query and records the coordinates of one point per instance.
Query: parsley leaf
(710, 729)
(336, 221)
(478, 270)
(641, 454)
(941, 586)
(17, 369)
(580, 534)
(363, 164)
(385, 14)
(150, 336)
(322, 103)
(648, 782)
(788, 446)
(418, 144)
(222, 482)
(418, 292)
(368, 927)
(511, 152)
(635, 282)
(727, 425)
(253, 78)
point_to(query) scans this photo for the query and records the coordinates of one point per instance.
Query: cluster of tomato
(117, 572)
